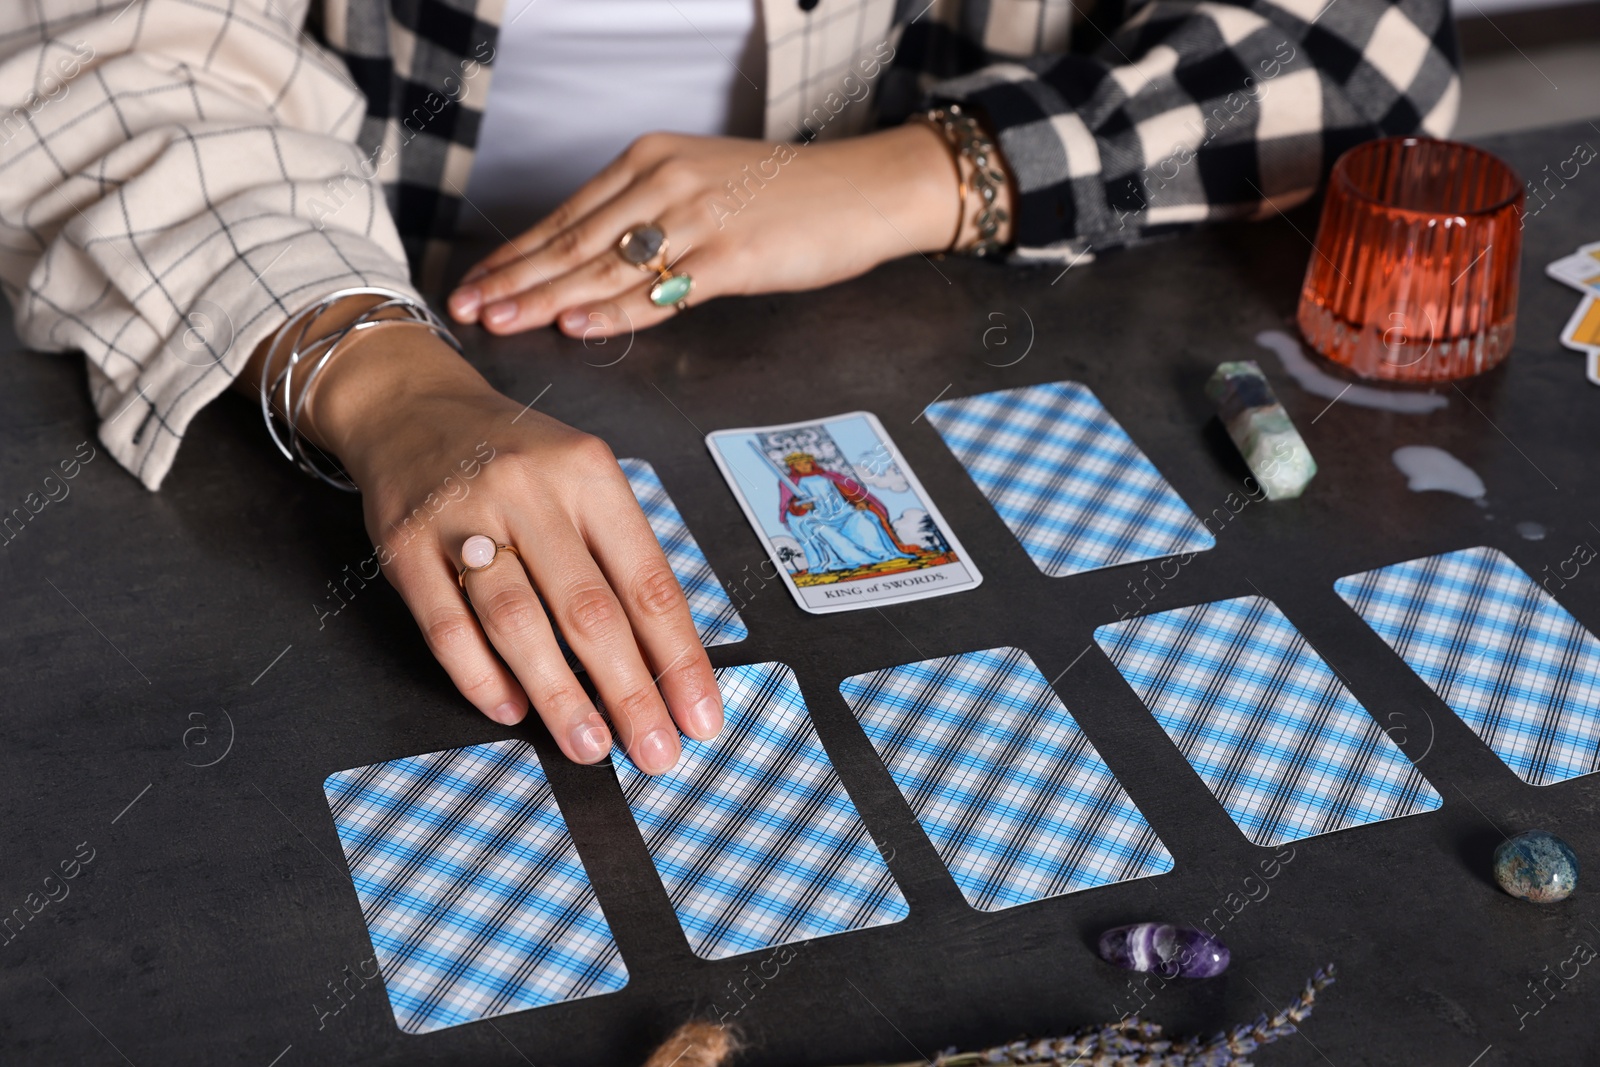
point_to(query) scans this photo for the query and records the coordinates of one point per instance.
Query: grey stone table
(171, 703)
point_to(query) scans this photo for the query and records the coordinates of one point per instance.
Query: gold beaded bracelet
(967, 141)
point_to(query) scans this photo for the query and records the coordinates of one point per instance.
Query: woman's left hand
(740, 216)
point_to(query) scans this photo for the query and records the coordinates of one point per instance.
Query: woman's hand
(741, 217)
(409, 419)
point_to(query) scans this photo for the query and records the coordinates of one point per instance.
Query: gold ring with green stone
(672, 290)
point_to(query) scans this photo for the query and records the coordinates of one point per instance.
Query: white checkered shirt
(178, 176)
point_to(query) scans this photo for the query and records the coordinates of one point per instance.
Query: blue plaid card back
(1015, 799)
(1510, 661)
(716, 620)
(472, 890)
(1067, 479)
(753, 834)
(1279, 740)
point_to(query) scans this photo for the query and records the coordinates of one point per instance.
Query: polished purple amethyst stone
(1170, 951)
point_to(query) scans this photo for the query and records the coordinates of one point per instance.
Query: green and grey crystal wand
(1261, 430)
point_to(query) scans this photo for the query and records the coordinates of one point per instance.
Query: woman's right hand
(408, 418)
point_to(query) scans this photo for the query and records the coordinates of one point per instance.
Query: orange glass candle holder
(1414, 276)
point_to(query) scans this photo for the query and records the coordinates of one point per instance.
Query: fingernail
(499, 314)
(507, 714)
(656, 752)
(574, 320)
(590, 739)
(704, 721)
(464, 302)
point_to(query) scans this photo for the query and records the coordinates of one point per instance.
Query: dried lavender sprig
(1132, 1042)
(1244, 1039)
(1129, 1042)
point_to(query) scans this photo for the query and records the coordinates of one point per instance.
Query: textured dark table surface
(139, 628)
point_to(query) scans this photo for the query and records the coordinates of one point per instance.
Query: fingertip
(703, 720)
(657, 751)
(590, 741)
(574, 321)
(464, 302)
(500, 315)
(508, 714)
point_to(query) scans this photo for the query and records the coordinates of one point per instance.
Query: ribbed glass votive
(1414, 277)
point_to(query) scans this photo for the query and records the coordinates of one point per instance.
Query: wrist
(938, 192)
(371, 382)
(907, 176)
(351, 397)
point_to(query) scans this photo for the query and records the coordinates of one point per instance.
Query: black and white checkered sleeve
(177, 177)
(1192, 110)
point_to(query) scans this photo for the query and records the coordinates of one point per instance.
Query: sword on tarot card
(781, 474)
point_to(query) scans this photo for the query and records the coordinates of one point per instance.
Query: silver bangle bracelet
(284, 426)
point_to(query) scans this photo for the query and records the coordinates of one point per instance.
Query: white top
(576, 80)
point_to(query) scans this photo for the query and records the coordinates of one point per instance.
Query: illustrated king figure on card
(839, 524)
(842, 529)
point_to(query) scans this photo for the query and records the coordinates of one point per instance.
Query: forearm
(162, 218)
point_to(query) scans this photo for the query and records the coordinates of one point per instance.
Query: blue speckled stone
(1171, 951)
(1536, 866)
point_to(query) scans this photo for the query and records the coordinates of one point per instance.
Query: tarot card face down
(841, 514)
(473, 892)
